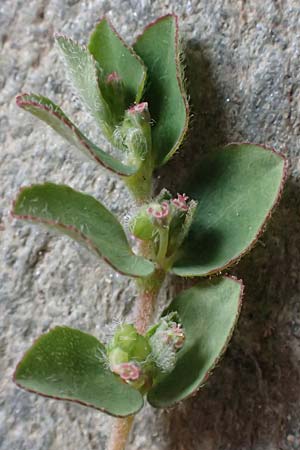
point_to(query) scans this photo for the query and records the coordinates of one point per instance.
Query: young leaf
(81, 68)
(67, 364)
(158, 48)
(49, 112)
(83, 218)
(114, 56)
(208, 313)
(236, 189)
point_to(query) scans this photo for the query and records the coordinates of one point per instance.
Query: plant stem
(140, 184)
(148, 289)
(119, 433)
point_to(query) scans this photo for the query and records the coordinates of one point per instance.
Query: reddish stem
(119, 433)
(149, 288)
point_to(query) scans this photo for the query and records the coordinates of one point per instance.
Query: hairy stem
(119, 433)
(140, 184)
(148, 291)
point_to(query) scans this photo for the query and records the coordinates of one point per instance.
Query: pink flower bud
(180, 202)
(159, 211)
(139, 108)
(112, 77)
(175, 336)
(178, 335)
(128, 371)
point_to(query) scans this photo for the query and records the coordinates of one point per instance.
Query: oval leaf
(83, 218)
(113, 55)
(158, 48)
(49, 112)
(81, 69)
(208, 313)
(236, 189)
(67, 364)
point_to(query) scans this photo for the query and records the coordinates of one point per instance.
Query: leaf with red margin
(158, 48)
(83, 218)
(49, 112)
(67, 364)
(236, 189)
(208, 313)
(113, 55)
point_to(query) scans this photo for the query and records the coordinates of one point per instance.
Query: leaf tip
(102, 19)
(20, 99)
(57, 36)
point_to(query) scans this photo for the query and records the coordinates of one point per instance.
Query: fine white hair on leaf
(82, 72)
(109, 330)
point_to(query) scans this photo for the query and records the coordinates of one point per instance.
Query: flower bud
(136, 131)
(182, 217)
(180, 202)
(117, 356)
(166, 338)
(141, 226)
(129, 357)
(113, 91)
(128, 371)
(129, 341)
(159, 211)
(149, 218)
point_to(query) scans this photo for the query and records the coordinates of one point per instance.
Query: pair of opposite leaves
(236, 189)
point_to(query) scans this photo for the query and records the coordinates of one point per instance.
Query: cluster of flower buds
(166, 339)
(174, 335)
(128, 355)
(174, 214)
(130, 129)
(139, 360)
(166, 210)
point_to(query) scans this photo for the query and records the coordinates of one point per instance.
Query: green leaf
(81, 69)
(49, 112)
(208, 313)
(84, 219)
(113, 55)
(236, 189)
(67, 364)
(158, 48)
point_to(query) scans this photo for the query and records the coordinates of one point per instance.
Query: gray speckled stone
(243, 65)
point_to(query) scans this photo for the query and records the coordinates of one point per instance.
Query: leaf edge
(32, 391)
(180, 83)
(130, 49)
(223, 350)
(234, 261)
(22, 104)
(89, 243)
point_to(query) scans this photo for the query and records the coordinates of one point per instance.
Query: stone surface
(242, 64)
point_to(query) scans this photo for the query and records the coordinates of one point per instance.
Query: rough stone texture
(243, 65)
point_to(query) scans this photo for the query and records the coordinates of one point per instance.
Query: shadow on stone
(252, 397)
